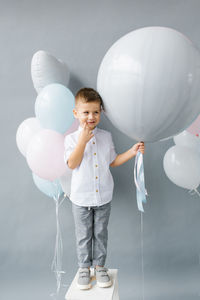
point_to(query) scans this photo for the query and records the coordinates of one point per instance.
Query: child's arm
(125, 156)
(77, 155)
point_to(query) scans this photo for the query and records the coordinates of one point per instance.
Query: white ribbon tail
(141, 191)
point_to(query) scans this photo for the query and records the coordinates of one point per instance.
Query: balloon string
(61, 201)
(142, 254)
(56, 265)
(197, 192)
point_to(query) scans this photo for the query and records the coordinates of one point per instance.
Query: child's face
(88, 112)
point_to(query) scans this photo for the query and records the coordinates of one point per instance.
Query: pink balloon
(195, 127)
(45, 154)
(73, 127)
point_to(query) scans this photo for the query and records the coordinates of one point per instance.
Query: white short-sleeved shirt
(92, 182)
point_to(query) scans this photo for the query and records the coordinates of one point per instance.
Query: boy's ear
(75, 113)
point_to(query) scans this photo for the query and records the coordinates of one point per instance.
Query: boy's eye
(87, 112)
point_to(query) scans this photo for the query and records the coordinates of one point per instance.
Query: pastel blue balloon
(49, 188)
(53, 107)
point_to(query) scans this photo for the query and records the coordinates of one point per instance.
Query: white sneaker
(84, 280)
(102, 277)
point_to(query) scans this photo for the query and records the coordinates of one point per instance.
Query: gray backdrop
(80, 33)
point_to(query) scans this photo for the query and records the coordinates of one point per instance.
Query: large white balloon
(187, 139)
(25, 132)
(149, 82)
(46, 69)
(182, 166)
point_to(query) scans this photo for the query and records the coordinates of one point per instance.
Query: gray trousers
(91, 234)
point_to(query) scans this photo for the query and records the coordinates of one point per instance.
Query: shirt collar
(94, 130)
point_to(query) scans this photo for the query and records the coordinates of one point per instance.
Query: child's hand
(86, 134)
(138, 147)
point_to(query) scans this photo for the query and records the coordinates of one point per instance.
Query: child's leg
(101, 218)
(83, 218)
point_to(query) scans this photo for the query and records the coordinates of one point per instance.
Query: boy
(90, 152)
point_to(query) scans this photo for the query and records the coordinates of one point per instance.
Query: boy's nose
(91, 116)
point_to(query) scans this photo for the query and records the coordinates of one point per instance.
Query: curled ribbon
(194, 191)
(141, 191)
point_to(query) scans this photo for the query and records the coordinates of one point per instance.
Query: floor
(182, 286)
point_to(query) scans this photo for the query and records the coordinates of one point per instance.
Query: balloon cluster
(41, 138)
(182, 161)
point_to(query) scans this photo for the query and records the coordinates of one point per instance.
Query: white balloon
(65, 181)
(25, 132)
(149, 82)
(46, 69)
(182, 166)
(187, 139)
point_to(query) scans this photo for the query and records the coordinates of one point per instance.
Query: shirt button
(97, 191)
(96, 177)
(96, 166)
(94, 153)
(93, 142)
